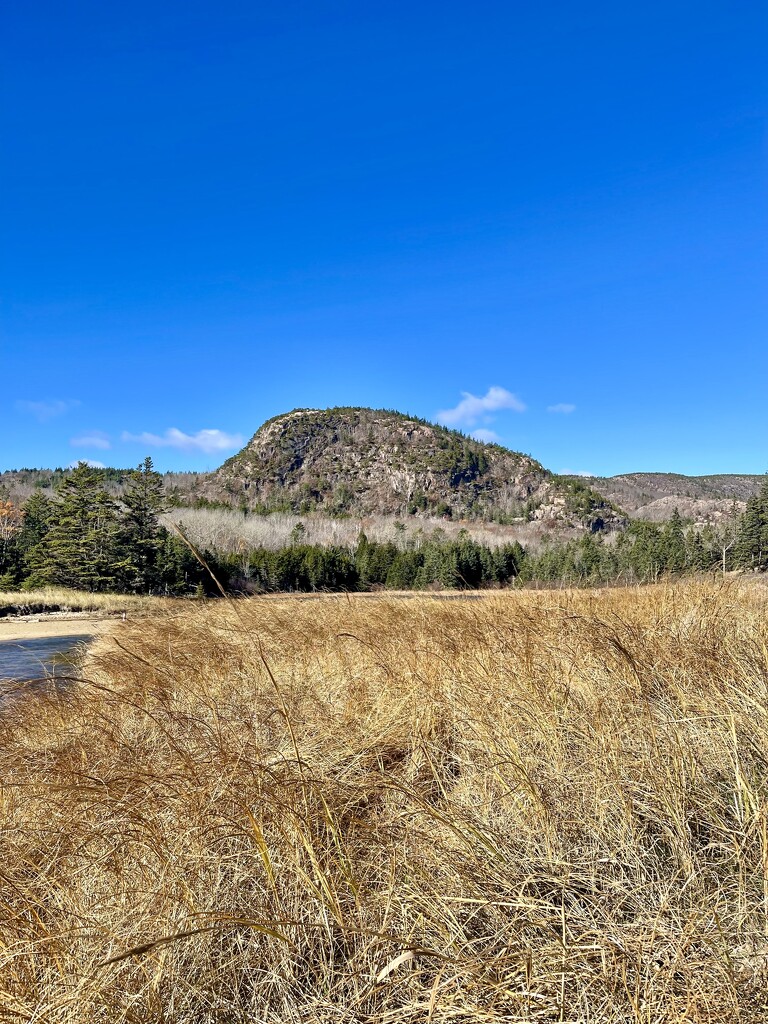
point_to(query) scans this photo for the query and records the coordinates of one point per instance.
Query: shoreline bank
(39, 627)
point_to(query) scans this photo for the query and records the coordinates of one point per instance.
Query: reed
(547, 806)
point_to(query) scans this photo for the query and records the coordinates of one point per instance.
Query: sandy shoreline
(35, 627)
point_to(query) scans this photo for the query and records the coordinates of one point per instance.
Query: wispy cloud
(93, 439)
(482, 434)
(207, 441)
(575, 472)
(472, 408)
(93, 463)
(563, 408)
(47, 410)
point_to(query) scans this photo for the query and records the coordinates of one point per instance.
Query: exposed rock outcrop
(353, 461)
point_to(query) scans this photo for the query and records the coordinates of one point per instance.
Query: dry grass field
(525, 807)
(59, 599)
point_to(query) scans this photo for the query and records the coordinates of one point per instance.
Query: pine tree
(362, 556)
(403, 570)
(38, 515)
(142, 534)
(469, 562)
(762, 498)
(749, 542)
(439, 567)
(179, 570)
(508, 560)
(697, 553)
(80, 549)
(751, 548)
(641, 550)
(587, 556)
(673, 543)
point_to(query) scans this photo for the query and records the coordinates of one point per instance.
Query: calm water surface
(22, 660)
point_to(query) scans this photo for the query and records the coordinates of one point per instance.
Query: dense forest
(86, 539)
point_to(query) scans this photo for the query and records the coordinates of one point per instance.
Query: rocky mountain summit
(354, 461)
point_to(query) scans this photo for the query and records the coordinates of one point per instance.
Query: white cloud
(46, 410)
(207, 441)
(576, 472)
(93, 463)
(471, 408)
(481, 434)
(94, 439)
(564, 408)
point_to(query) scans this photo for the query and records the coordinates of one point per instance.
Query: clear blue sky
(212, 213)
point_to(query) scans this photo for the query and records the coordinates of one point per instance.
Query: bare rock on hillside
(701, 511)
(359, 462)
(639, 493)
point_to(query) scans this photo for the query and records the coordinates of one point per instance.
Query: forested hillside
(655, 496)
(360, 499)
(85, 539)
(363, 461)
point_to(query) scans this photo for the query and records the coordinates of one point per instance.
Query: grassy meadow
(530, 806)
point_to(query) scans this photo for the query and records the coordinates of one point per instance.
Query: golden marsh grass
(527, 807)
(49, 599)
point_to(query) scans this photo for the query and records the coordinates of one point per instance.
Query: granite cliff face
(362, 462)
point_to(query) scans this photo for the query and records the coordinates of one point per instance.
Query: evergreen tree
(80, 549)
(39, 513)
(508, 561)
(142, 534)
(641, 550)
(469, 563)
(698, 557)
(362, 556)
(298, 533)
(378, 563)
(762, 498)
(403, 570)
(181, 573)
(749, 542)
(587, 557)
(751, 547)
(439, 567)
(673, 543)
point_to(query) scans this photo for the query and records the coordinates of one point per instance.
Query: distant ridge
(654, 496)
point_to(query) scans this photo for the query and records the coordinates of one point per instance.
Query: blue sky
(545, 222)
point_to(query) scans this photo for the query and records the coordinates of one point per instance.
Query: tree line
(645, 552)
(87, 540)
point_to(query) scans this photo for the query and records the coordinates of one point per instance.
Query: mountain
(654, 496)
(353, 461)
(361, 462)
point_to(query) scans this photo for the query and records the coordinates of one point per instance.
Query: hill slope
(654, 496)
(362, 461)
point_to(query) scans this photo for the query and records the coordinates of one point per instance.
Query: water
(24, 660)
